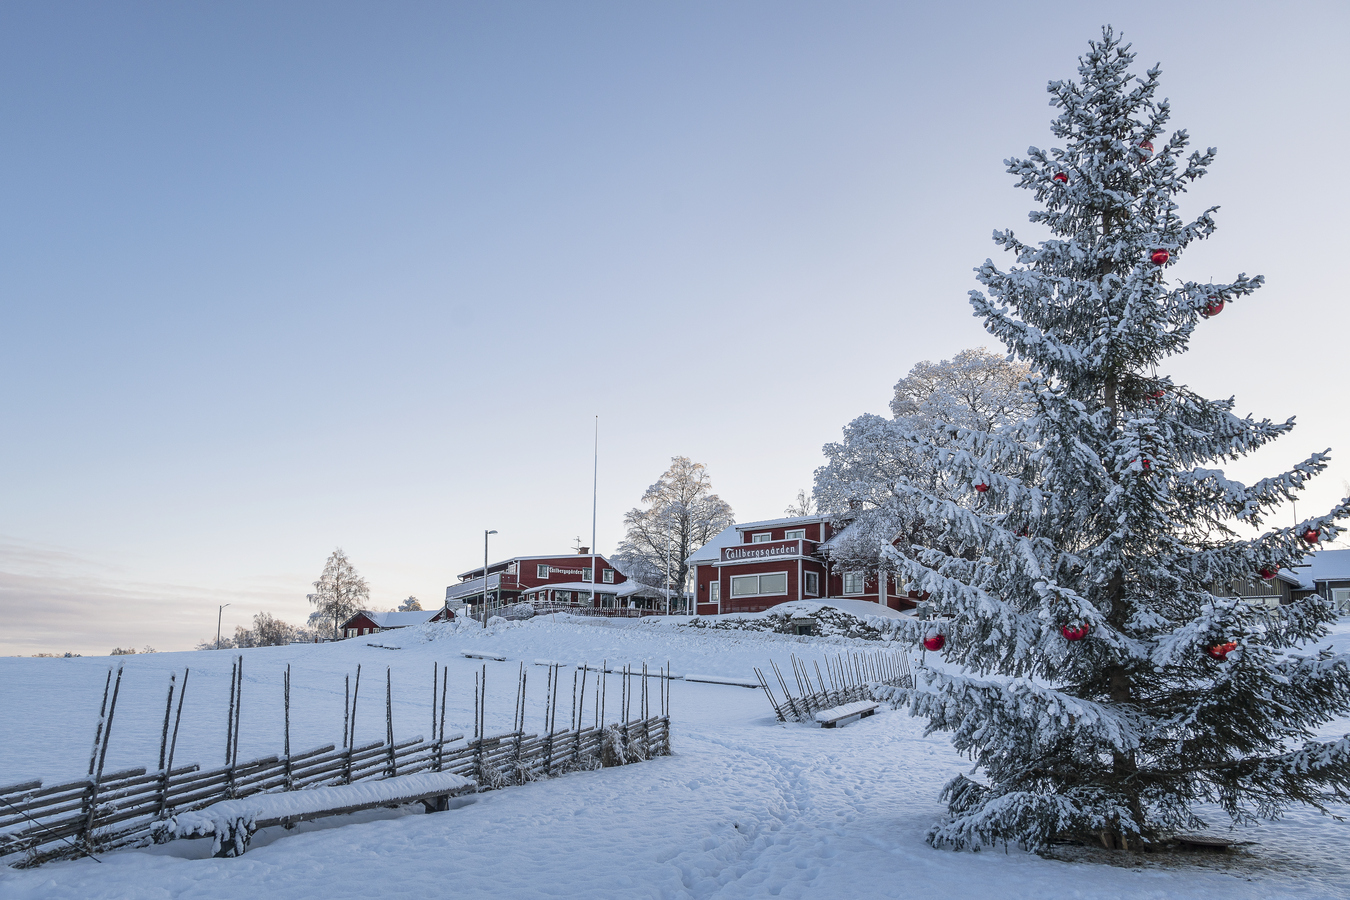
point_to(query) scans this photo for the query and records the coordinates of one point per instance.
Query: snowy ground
(745, 808)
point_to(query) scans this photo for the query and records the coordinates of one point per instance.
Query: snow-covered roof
(544, 558)
(399, 619)
(577, 586)
(712, 551)
(1324, 565)
(780, 523)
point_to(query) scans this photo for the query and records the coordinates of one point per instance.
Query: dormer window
(761, 538)
(796, 534)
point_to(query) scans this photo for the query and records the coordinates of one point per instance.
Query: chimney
(583, 551)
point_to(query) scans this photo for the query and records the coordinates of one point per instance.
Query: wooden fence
(848, 678)
(110, 810)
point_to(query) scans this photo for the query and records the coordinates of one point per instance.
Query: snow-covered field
(745, 808)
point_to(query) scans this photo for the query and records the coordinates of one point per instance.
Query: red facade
(766, 563)
(511, 577)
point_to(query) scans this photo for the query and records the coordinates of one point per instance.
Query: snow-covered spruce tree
(1095, 668)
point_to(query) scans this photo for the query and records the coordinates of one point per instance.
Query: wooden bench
(836, 716)
(231, 823)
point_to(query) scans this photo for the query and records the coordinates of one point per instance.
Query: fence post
(98, 775)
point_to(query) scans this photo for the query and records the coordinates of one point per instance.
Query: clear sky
(281, 277)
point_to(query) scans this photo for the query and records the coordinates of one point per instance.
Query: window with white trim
(715, 592)
(854, 582)
(563, 596)
(758, 585)
(761, 538)
(541, 572)
(796, 534)
(607, 576)
(812, 583)
(1340, 600)
(585, 573)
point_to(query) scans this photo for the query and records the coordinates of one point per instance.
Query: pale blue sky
(281, 277)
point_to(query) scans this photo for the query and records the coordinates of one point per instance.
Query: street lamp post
(485, 568)
(219, 612)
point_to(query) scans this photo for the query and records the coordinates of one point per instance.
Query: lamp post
(485, 568)
(219, 612)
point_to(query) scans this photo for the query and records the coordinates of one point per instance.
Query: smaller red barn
(366, 622)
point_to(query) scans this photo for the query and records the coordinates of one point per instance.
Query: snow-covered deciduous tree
(412, 604)
(804, 505)
(1098, 670)
(976, 390)
(339, 593)
(679, 514)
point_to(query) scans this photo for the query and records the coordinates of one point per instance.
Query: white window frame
(1340, 600)
(762, 537)
(607, 576)
(586, 572)
(811, 584)
(861, 582)
(541, 571)
(796, 534)
(715, 592)
(759, 591)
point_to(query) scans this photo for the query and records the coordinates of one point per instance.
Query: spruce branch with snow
(1097, 669)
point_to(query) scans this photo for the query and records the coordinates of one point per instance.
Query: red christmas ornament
(934, 642)
(981, 487)
(1268, 574)
(1160, 257)
(1025, 532)
(1061, 178)
(1312, 535)
(1075, 632)
(1147, 147)
(1221, 651)
(1158, 394)
(1145, 463)
(1213, 306)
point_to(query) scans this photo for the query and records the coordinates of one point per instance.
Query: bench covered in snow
(474, 654)
(839, 715)
(231, 823)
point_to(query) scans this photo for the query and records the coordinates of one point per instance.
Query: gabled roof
(712, 551)
(1323, 565)
(397, 619)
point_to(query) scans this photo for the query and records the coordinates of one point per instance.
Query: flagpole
(595, 491)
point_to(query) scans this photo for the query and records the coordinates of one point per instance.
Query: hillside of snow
(746, 807)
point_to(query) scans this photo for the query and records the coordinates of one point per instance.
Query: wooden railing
(848, 678)
(109, 810)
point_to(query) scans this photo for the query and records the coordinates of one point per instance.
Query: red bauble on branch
(1160, 257)
(1075, 632)
(1144, 463)
(935, 642)
(1061, 178)
(1147, 147)
(1312, 535)
(981, 487)
(1213, 306)
(1221, 651)
(1268, 573)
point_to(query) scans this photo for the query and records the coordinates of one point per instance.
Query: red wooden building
(580, 579)
(751, 567)
(366, 622)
